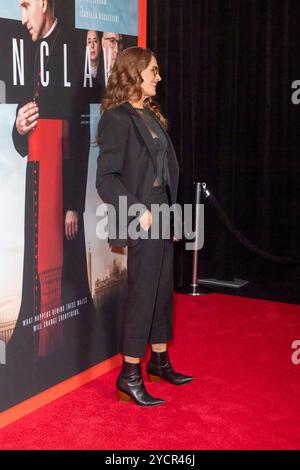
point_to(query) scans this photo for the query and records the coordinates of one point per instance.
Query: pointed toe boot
(159, 366)
(130, 385)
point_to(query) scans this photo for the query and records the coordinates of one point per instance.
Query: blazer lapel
(143, 131)
(147, 138)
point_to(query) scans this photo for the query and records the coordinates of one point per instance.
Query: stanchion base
(235, 284)
(193, 289)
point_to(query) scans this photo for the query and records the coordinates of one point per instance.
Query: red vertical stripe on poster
(142, 34)
(45, 147)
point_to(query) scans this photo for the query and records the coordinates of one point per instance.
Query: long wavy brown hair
(124, 83)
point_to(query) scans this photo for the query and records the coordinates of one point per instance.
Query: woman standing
(137, 160)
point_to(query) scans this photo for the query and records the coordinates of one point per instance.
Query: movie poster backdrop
(62, 288)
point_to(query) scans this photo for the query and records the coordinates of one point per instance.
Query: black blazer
(126, 164)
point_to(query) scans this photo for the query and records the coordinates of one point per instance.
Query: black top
(161, 144)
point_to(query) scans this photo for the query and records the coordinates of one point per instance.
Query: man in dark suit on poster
(54, 272)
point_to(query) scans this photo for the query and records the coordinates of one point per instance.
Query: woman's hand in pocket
(146, 220)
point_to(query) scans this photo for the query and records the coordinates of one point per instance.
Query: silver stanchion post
(194, 287)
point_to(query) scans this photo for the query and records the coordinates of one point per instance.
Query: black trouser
(149, 304)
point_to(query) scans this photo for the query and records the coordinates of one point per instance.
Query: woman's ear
(44, 5)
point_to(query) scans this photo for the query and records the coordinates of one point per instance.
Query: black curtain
(228, 68)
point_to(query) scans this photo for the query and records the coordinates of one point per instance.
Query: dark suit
(127, 167)
(127, 162)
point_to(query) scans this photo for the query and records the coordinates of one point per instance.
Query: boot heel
(154, 378)
(130, 385)
(122, 396)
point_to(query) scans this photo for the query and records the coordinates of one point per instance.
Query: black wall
(228, 68)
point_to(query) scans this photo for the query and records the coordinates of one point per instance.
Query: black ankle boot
(159, 366)
(130, 385)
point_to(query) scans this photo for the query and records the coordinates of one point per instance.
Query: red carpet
(246, 395)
